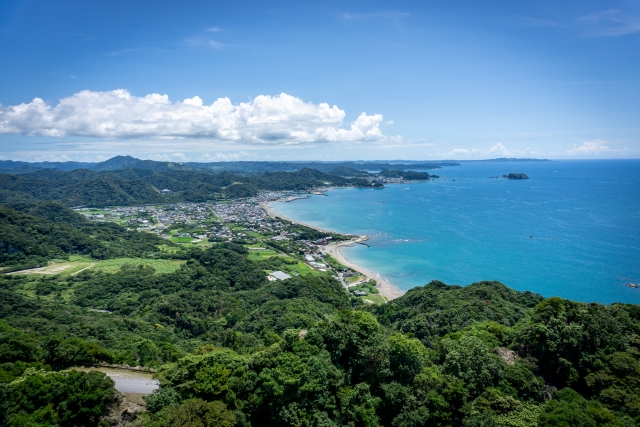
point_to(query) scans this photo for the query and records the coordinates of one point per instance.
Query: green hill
(142, 186)
(33, 233)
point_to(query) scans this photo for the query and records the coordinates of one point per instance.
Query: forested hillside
(143, 186)
(232, 348)
(33, 233)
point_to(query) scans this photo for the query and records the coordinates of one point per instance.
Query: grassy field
(162, 266)
(374, 299)
(259, 255)
(354, 279)
(302, 269)
(77, 264)
(254, 234)
(182, 239)
(373, 295)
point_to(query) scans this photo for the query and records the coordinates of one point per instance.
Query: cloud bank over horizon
(93, 125)
(117, 114)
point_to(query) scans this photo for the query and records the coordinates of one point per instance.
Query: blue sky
(445, 80)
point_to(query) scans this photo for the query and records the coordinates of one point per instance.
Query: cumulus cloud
(597, 146)
(498, 150)
(282, 119)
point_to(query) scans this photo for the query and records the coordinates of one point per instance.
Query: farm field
(76, 265)
(302, 269)
(258, 254)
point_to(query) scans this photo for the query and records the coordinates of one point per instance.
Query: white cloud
(597, 146)
(206, 42)
(609, 23)
(500, 150)
(213, 30)
(274, 120)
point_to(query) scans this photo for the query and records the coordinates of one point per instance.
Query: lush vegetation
(139, 186)
(32, 233)
(233, 349)
(408, 175)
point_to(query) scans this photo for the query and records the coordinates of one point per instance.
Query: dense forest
(128, 187)
(234, 349)
(33, 233)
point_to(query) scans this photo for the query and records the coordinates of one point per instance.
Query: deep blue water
(571, 230)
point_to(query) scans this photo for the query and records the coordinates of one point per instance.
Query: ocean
(572, 230)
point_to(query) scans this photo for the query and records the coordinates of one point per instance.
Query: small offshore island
(179, 298)
(516, 176)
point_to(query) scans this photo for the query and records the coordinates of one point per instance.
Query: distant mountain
(350, 168)
(127, 162)
(507, 160)
(11, 166)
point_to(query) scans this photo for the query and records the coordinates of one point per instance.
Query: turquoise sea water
(571, 230)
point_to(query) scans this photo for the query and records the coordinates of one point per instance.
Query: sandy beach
(387, 290)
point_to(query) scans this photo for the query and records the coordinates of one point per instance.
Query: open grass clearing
(260, 255)
(169, 249)
(162, 266)
(182, 239)
(75, 266)
(373, 299)
(302, 269)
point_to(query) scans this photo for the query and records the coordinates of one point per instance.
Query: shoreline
(386, 288)
(273, 214)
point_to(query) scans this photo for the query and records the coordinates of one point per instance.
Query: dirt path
(80, 271)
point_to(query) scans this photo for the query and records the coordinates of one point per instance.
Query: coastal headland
(386, 288)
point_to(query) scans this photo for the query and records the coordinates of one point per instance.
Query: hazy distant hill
(128, 162)
(347, 168)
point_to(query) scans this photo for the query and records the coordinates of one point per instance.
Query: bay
(572, 230)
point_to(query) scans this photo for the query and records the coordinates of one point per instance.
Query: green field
(354, 279)
(302, 269)
(254, 234)
(162, 266)
(373, 295)
(260, 255)
(77, 264)
(182, 239)
(374, 298)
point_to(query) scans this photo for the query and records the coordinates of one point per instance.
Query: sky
(301, 80)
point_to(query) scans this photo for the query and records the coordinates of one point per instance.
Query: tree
(569, 409)
(198, 413)
(472, 361)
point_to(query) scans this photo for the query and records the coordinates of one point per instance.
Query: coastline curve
(386, 288)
